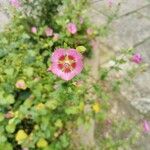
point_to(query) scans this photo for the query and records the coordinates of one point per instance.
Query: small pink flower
(72, 28)
(48, 32)
(110, 2)
(15, 3)
(21, 84)
(137, 58)
(89, 31)
(146, 126)
(34, 30)
(66, 63)
(56, 36)
(9, 115)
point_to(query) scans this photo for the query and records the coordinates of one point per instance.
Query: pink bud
(89, 31)
(48, 31)
(9, 115)
(15, 3)
(20, 84)
(56, 36)
(110, 2)
(137, 58)
(34, 30)
(72, 28)
(146, 126)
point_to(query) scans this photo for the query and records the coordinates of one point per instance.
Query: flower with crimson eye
(66, 63)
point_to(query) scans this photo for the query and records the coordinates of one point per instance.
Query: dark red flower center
(67, 63)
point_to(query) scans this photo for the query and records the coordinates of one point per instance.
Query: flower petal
(146, 126)
(79, 67)
(72, 52)
(57, 71)
(68, 76)
(57, 54)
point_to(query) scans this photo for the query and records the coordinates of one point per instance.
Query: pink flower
(137, 58)
(146, 126)
(21, 84)
(110, 2)
(9, 115)
(56, 36)
(48, 31)
(15, 3)
(66, 63)
(72, 28)
(33, 29)
(89, 31)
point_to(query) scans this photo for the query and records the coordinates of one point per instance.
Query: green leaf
(10, 99)
(72, 110)
(28, 71)
(58, 123)
(1, 117)
(3, 53)
(5, 146)
(9, 71)
(52, 104)
(2, 139)
(2, 101)
(103, 74)
(81, 49)
(10, 128)
(64, 141)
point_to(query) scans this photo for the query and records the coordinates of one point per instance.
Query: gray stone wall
(130, 28)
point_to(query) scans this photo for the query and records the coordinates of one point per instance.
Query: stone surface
(141, 90)
(142, 104)
(144, 12)
(96, 17)
(128, 31)
(144, 49)
(3, 20)
(125, 6)
(128, 6)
